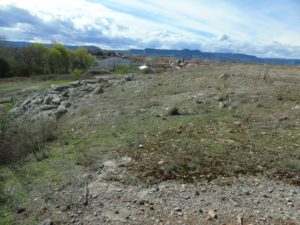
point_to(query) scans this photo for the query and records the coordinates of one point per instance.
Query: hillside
(218, 144)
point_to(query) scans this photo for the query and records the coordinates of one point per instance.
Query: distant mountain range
(185, 53)
(220, 57)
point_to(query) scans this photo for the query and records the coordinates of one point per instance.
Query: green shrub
(124, 69)
(77, 73)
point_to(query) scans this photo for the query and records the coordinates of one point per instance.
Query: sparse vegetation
(256, 135)
(20, 138)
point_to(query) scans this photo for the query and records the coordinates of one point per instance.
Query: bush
(20, 138)
(124, 69)
(77, 73)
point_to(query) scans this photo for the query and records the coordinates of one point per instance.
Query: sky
(265, 28)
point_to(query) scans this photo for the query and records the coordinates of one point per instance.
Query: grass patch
(125, 69)
(47, 84)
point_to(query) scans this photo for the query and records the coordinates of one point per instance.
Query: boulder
(75, 83)
(98, 90)
(56, 100)
(48, 99)
(48, 107)
(60, 87)
(47, 222)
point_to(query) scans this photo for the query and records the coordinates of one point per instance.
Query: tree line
(37, 59)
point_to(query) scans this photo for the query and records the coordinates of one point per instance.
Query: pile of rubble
(56, 101)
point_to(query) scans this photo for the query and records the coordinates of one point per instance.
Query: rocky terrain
(214, 145)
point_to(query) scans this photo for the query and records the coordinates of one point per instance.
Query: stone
(56, 100)
(98, 90)
(47, 107)
(60, 87)
(212, 215)
(296, 107)
(91, 81)
(14, 110)
(61, 110)
(224, 76)
(122, 215)
(37, 101)
(75, 83)
(223, 104)
(6, 100)
(66, 104)
(177, 209)
(48, 99)
(51, 92)
(47, 222)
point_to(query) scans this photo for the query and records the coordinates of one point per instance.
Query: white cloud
(213, 25)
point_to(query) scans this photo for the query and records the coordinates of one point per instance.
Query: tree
(37, 60)
(54, 59)
(82, 59)
(4, 68)
(66, 61)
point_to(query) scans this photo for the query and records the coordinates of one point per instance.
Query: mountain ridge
(184, 53)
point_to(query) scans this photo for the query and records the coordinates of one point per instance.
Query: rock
(296, 107)
(47, 107)
(122, 215)
(223, 104)
(87, 88)
(37, 101)
(66, 104)
(51, 92)
(60, 87)
(91, 81)
(56, 100)
(240, 219)
(6, 100)
(177, 209)
(48, 99)
(47, 222)
(14, 110)
(283, 118)
(75, 83)
(98, 90)
(224, 76)
(61, 110)
(212, 215)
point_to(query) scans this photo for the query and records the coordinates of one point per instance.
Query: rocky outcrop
(56, 101)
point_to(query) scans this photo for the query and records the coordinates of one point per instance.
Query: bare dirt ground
(219, 144)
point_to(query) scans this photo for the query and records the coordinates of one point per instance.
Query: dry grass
(19, 138)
